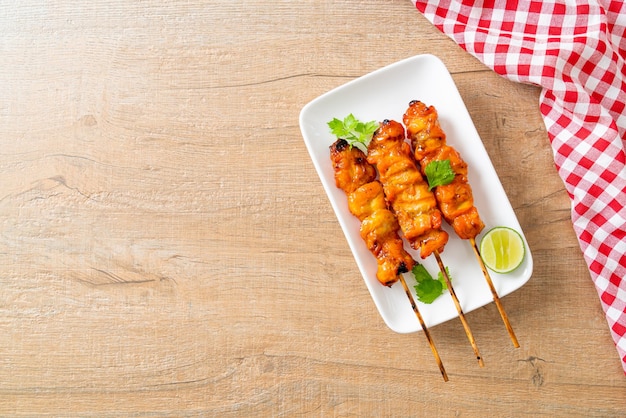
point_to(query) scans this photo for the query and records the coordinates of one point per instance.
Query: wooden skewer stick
(496, 298)
(424, 328)
(468, 331)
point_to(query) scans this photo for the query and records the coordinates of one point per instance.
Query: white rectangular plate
(385, 94)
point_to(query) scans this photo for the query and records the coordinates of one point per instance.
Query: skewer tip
(496, 298)
(457, 304)
(431, 343)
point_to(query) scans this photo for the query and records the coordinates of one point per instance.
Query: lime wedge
(502, 249)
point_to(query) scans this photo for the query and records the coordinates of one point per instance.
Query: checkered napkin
(576, 51)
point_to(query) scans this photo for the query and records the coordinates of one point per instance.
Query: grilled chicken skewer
(412, 202)
(455, 199)
(379, 227)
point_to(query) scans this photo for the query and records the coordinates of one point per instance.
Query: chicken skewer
(454, 199)
(357, 178)
(412, 202)
(379, 227)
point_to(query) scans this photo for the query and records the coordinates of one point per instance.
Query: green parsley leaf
(420, 273)
(439, 173)
(353, 131)
(427, 288)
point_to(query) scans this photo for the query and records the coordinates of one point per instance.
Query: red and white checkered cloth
(576, 51)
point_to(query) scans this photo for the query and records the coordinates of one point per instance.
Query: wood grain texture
(167, 249)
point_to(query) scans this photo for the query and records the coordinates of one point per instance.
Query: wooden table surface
(167, 248)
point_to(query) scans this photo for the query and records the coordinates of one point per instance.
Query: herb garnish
(427, 288)
(439, 173)
(353, 131)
